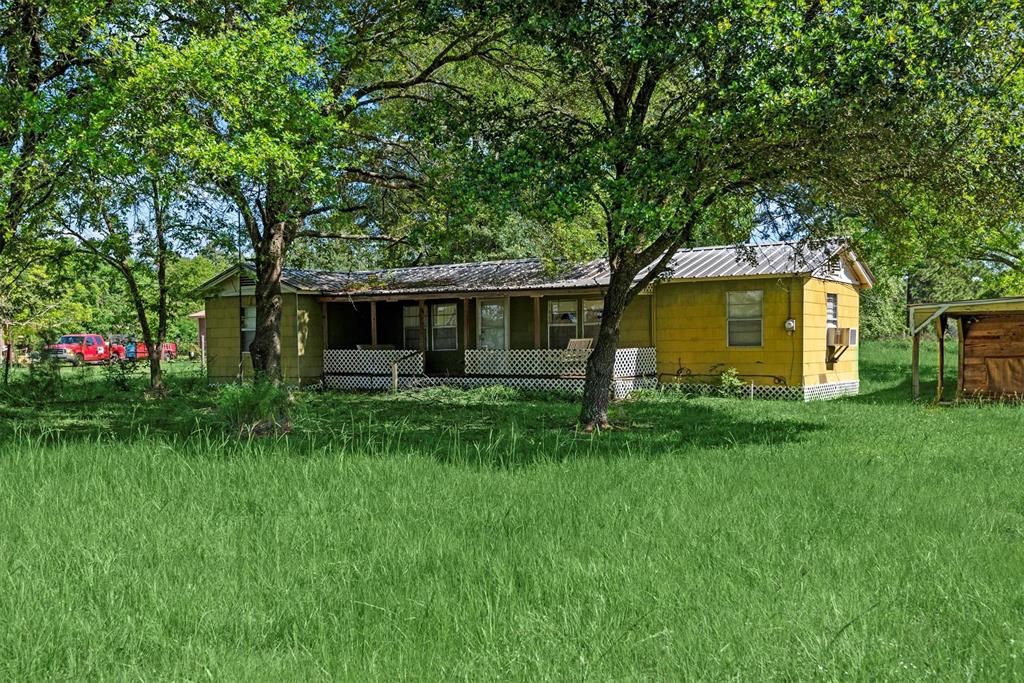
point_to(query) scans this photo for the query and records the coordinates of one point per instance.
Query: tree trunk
(6, 352)
(266, 345)
(601, 362)
(156, 380)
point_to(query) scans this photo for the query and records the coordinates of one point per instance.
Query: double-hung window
(411, 328)
(593, 312)
(831, 310)
(745, 312)
(831, 321)
(562, 321)
(248, 326)
(444, 324)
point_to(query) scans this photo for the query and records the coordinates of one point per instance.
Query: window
(593, 312)
(411, 328)
(248, 326)
(831, 321)
(561, 323)
(745, 318)
(444, 319)
(831, 310)
(492, 324)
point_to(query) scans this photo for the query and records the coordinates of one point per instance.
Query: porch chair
(575, 352)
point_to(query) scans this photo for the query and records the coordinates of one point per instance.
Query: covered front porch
(516, 340)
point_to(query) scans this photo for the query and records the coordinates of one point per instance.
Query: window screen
(831, 310)
(411, 327)
(593, 311)
(445, 327)
(745, 318)
(248, 326)
(561, 323)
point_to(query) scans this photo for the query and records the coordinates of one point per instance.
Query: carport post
(940, 329)
(915, 367)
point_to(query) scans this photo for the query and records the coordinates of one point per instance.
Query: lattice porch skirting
(621, 387)
(814, 392)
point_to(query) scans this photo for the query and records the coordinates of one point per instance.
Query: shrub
(121, 374)
(730, 383)
(44, 378)
(257, 408)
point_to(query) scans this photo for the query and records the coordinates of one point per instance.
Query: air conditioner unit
(841, 336)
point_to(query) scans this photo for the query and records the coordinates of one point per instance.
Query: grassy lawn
(445, 534)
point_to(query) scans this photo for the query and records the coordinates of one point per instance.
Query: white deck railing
(629, 362)
(372, 362)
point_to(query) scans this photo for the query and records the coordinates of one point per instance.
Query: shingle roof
(484, 276)
(779, 258)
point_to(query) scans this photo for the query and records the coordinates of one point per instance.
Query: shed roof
(742, 261)
(923, 313)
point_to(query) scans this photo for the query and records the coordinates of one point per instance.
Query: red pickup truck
(139, 351)
(84, 348)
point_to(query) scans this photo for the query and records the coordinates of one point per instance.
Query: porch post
(915, 367)
(323, 322)
(373, 324)
(423, 326)
(960, 358)
(536, 322)
(939, 329)
(465, 323)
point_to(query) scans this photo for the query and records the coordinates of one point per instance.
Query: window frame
(831, 322)
(406, 328)
(575, 324)
(730, 319)
(243, 329)
(505, 309)
(583, 318)
(434, 327)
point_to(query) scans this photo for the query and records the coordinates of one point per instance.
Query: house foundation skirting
(621, 387)
(776, 392)
(824, 392)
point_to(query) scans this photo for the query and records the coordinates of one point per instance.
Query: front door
(492, 324)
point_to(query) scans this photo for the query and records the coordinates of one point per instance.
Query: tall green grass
(476, 535)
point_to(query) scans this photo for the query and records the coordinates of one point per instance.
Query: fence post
(751, 390)
(394, 377)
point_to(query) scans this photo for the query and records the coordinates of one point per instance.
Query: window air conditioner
(841, 336)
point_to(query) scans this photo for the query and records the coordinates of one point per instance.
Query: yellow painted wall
(223, 325)
(815, 369)
(691, 331)
(301, 345)
(635, 328)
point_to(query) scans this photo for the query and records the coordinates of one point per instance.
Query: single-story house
(784, 315)
(991, 332)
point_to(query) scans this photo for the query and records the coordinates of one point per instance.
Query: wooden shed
(991, 359)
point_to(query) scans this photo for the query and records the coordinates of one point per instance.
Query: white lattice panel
(371, 362)
(825, 392)
(629, 362)
(529, 362)
(367, 382)
(622, 388)
(778, 392)
(814, 392)
(636, 362)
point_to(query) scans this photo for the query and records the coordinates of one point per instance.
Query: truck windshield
(71, 339)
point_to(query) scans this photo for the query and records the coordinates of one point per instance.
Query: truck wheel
(79, 359)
